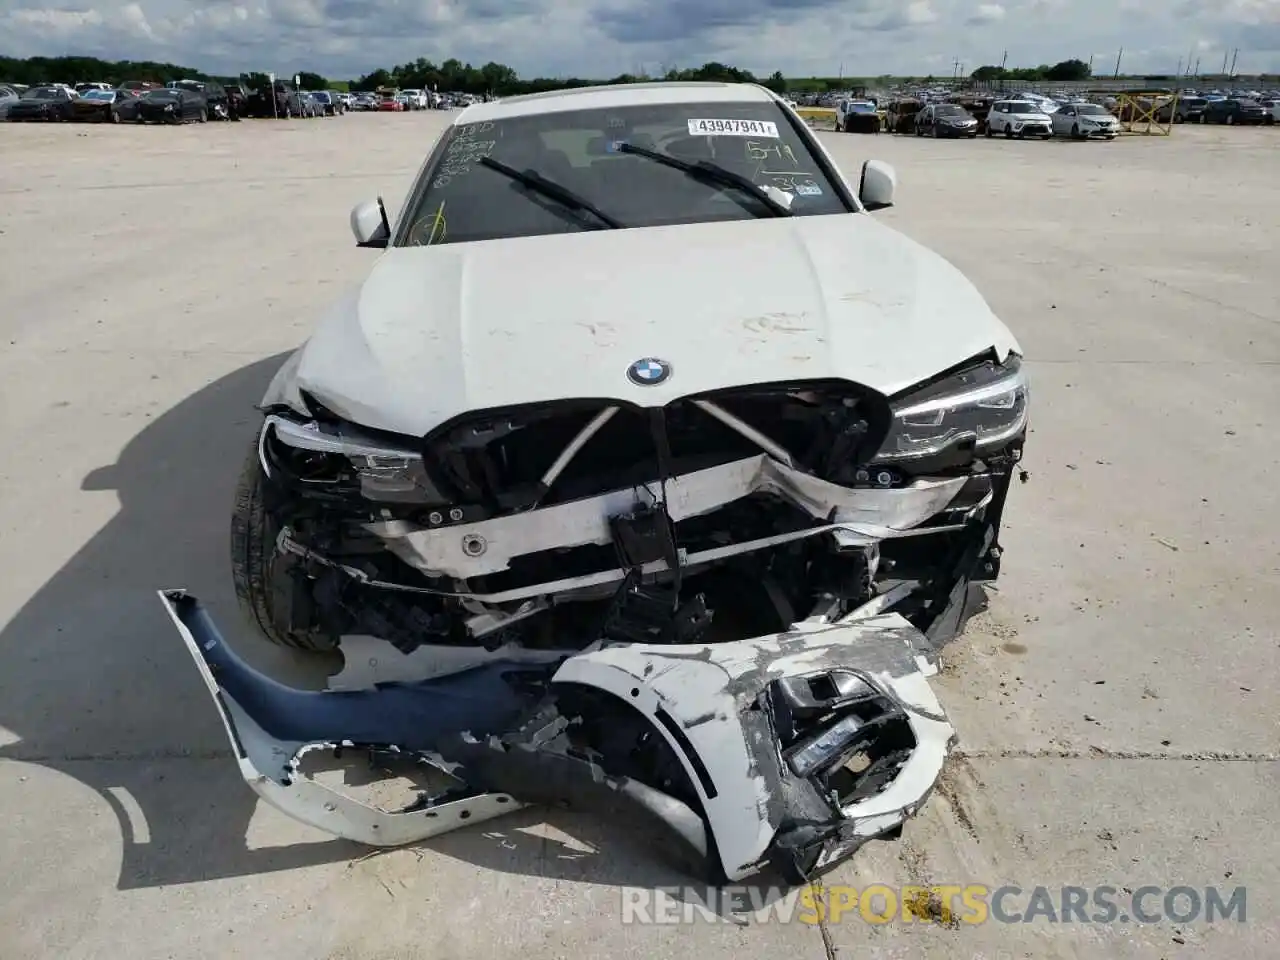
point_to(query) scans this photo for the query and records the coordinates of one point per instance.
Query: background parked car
(330, 102)
(390, 104)
(1271, 107)
(311, 107)
(96, 106)
(1186, 110)
(126, 103)
(279, 101)
(945, 120)
(1082, 121)
(8, 97)
(364, 103)
(217, 101)
(43, 103)
(1018, 118)
(857, 116)
(1234, 110)
(900, 115)
(173, 105)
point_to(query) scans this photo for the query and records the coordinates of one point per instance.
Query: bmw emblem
(649, 372)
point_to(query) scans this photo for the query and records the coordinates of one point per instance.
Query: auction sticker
(733, 128)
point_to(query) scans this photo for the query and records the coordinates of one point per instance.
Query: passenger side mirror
(877, 185)
(369, 224)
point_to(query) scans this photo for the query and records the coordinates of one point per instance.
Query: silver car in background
(1085, 121)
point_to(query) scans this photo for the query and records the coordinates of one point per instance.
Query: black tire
(253, 565)
(1075, 131)
(204, 115)
(1231, 119)
(986, 131)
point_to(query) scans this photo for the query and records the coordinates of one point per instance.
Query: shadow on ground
(97, 684)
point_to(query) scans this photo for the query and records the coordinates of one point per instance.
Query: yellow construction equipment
(1146, 113)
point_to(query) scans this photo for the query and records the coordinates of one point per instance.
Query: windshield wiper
(712, 173)
(536, 182)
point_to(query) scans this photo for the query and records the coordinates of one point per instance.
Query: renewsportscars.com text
(950, 904)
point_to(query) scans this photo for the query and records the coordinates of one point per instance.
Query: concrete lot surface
(1118, 703)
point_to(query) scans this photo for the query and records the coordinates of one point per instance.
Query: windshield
(1021, 106)
(950, 110)
(163, 95)
(459, 199)
(1091, 110)
(44, 93)
(857, 107)
(322, 97)
(1247, 103)
(98, 95)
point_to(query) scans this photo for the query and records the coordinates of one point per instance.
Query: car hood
(435, 332)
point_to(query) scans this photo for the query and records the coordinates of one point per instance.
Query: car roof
(615, 95)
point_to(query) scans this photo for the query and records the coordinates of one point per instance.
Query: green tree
(1069, 70)
(987, 74)
(312, 81)
(777, 82)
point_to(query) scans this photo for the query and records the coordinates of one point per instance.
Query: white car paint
(1085, 120)
(1014, 116)
(429, 335)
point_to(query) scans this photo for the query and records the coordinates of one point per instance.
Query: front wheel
(204, 115)
(270, 587)
(1231, 120)
(988, 132)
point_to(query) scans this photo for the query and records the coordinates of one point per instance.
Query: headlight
(985, 405)
(386, 473)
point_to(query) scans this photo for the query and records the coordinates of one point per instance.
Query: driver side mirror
(369, 224)
(877, 185)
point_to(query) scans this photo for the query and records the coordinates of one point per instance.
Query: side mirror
(877, 185)
(369, 224)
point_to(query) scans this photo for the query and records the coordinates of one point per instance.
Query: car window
(460, 199)
(1023, 107)
(43, 93)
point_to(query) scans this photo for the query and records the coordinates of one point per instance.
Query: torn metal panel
(486, 547)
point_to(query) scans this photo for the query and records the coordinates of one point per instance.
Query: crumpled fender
(719, 707)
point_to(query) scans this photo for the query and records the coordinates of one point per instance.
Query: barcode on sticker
(733, 128)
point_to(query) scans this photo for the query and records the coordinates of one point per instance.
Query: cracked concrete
(1117, 703)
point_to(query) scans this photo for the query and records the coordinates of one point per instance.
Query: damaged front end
(788, 751)
(717, 517)
(718, 615)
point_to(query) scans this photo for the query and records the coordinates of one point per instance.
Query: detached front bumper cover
(796, 748)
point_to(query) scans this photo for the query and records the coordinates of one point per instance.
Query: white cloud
(987, 13)
(602, 38)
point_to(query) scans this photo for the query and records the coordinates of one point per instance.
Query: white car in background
(415, 99)
(1019, 118)
(756, 406)
(1085, 121)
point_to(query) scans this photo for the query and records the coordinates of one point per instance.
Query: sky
(343, 39)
